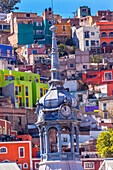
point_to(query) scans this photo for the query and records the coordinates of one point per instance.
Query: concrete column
(41, 144)
(77, 139)
(72, 138)
(59, 143)
(46, 143)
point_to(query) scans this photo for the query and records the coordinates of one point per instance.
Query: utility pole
(74, 14)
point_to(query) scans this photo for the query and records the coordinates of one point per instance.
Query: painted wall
(21, 80)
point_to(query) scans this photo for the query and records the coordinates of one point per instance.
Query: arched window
(66, 140)
(43, 141)
(3, 150)
(53, 140)
(103, 34)
(104, 43)
(25, 166)
(3, 130)
(6, 161)
(111, 43)
(0, 130)
(111, 34)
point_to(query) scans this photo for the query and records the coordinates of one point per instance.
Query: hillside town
(50, 64)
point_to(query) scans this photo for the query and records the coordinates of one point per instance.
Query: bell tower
(57, 113)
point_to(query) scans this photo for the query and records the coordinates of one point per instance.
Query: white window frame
(23, 152)
(3, 152)
(24, 165)
(111, 76)
(89, 167)
(104, 106)
(20, 166)
(35, 165)
(37, 24)
(103, 115)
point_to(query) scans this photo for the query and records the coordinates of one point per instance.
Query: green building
(23, 88)
(84, 11)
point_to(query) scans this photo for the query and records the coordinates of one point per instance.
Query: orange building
(17, 151)
(63, 29)
(106, 35)
(5, 129)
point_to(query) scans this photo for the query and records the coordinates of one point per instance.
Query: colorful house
(33, 49)
(23, 88)
(98, 77)
(6, 52)
(106, 35)
(5, 130)
(17, 151)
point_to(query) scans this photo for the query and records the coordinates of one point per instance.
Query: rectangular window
(108, 76)
(0, 27)
(86, 34)
(49, 22)
(16, 90)
(87, 42)
(36, 165)
(27, 15)
(104, 106)
(92, 33)
(19, 120)
(105, 115)
(41, 92)
(16, 99)
(91, 76)
(64, 139)
(27, 102)
(20, 89)
(36, 80)
(20, 101)
(39, 32)
(9, 77)
(21, 152)
(64, 28)
(71, 65)
(38, 23)
(34, 52)
(89, 165)
(92, 42)
(26, 91)
(84, 66)
(80, 98)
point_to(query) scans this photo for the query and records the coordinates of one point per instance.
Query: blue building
(6, 52)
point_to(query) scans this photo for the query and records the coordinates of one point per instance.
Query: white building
(87, 38)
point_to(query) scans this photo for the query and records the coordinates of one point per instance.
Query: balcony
(6, 56)
(60, 156)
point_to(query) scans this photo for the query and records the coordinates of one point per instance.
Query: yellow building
(63, 29)
(106, 108)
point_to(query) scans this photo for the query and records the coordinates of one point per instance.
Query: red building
(91, 163)
(106, 35)
(17, 151)
(99, 77)
(5, 129)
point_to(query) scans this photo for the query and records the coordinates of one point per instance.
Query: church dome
(56, 96)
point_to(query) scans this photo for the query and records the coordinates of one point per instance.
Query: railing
(8, 55)
(60, 156)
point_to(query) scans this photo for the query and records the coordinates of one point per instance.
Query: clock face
(65, 110)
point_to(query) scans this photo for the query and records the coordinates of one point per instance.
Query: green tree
(95, 59)
(8, 5)
(65, 49)
(105, 144)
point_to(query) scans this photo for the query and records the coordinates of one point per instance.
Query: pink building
(28, 50)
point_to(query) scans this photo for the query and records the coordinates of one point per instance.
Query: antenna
(74, 14)
(52, 13)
